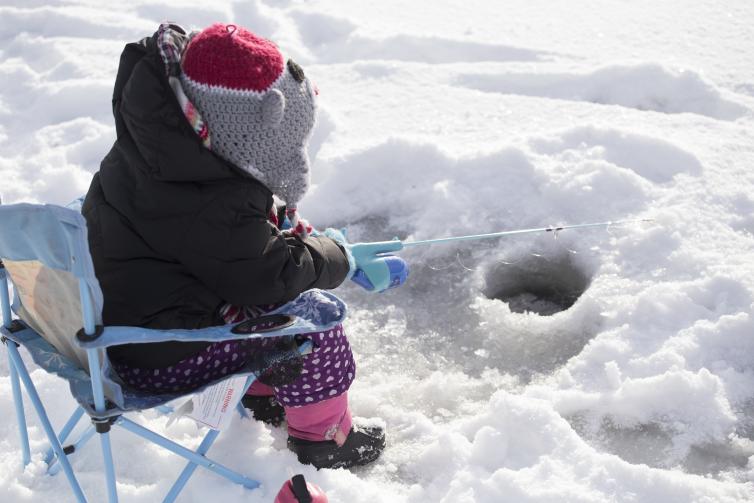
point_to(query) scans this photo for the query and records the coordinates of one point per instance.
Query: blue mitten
(377, 269)
(373, 267)
(392, 270)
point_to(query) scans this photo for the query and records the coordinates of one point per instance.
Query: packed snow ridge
(647, 86)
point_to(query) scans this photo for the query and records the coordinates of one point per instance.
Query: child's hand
(377, 269)
(373, 266)
(394, 268)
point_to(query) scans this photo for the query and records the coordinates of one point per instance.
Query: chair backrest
(45, 252)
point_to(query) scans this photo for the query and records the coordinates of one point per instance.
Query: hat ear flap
(273, 108)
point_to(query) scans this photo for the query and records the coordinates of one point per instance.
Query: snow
(644, 87)
(604, 365)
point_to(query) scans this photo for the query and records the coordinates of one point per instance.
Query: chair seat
(52, 361)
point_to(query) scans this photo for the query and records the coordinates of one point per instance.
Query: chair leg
(165, 410)
(35, 400)
(18, 400)
(63, 435)
(187, 453)
(240, 408)
(188, 471)
(101, 426)
(209, 439)
(107, 454)
(242, 411)
(77, 446)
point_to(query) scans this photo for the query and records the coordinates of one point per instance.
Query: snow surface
(458, 117)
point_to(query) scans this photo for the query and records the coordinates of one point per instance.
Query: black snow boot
(362, 446)
(265, 409)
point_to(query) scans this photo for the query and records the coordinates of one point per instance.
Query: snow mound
(507, 452)
(645, 86)
(336, 40)
(652, 158)
(566, 174)
(69, 21)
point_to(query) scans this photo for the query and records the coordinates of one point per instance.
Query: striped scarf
(171, 40)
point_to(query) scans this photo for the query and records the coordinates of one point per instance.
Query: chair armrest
(113, 336)
(312, 311)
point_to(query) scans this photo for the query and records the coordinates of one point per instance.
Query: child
(184, 233)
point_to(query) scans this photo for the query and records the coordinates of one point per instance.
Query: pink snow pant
(326, 420)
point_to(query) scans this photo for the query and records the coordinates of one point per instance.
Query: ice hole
(540, 284)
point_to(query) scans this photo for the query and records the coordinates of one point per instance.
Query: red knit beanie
(232, 57)
(258, 108)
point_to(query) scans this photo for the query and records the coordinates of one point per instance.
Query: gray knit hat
(259, 110)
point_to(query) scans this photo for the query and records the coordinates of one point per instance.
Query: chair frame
(93, 339)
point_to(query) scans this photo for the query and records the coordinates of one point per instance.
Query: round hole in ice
(540, 284)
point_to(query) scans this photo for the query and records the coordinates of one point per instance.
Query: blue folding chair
(44, 253)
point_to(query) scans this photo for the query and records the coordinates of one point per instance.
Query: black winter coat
(175, 231)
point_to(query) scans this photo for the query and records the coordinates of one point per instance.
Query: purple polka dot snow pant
(213, 362)
(328, 370)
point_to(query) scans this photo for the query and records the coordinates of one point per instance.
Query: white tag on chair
(214, 406)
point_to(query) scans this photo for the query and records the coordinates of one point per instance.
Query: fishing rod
(396, 244)
(368, 255)
(407, 244)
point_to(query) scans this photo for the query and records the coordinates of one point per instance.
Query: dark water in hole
(537, 284)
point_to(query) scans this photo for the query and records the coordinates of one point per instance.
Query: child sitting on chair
(184, 232)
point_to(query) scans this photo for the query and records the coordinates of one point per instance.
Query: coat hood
(147, 112)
